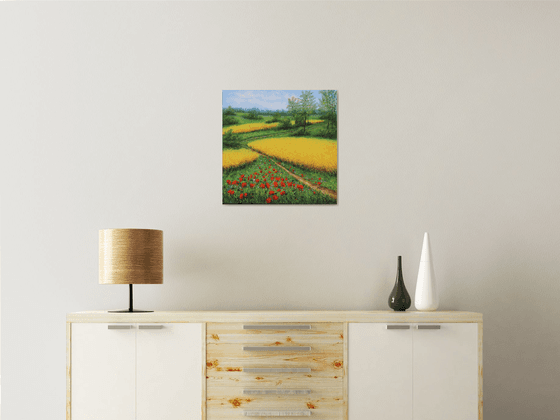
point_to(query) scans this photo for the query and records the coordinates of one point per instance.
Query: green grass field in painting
(243, 187)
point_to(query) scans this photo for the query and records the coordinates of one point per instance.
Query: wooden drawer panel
(329, 363)
(319, 333)
(230, 403)
(238, 327)
(321, 346)
(272, 380)
(277, 352)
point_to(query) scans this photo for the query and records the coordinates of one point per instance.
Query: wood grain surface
(68, 371)
(276, 316)
(229, 403)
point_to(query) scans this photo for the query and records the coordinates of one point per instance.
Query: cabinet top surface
(275, 316)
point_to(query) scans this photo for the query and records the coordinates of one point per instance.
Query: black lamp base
(130, 308)
(128, 311)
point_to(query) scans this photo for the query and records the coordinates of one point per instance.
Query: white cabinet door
(379, 372)
(103, 372)
(169, 371)
(446, 372)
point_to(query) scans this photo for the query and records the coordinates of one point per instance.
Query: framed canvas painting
(279, 147)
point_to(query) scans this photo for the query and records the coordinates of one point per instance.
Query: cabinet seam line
(412, 364)
(136, 374)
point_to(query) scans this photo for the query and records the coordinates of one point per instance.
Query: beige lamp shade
(130, 256)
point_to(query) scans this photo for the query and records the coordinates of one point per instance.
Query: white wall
(448, 123)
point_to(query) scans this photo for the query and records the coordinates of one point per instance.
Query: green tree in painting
(276, 117)
(285, 124)
(302, 107)
(327, 107)
(228, 120)
(231, 140)
(229, 111)
(299, 120)
(253, 115)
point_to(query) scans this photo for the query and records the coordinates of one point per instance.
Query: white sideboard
(328, 365)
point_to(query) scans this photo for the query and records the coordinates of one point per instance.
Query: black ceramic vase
(399, 299)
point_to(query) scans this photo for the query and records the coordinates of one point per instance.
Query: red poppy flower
(241, 195)
(275, 183)
(263, 186)
(319, 179)
(275, 197)
(271, 193)
(251, 185)
(278, 190)
(283, 192)
(244, 184)
(268, 200)
(318, 183)
(231, 192)
(228, 182)
(267, 185)
(245, 194)
(283, 184)
(300, 187)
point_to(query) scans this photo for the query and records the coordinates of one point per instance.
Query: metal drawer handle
(277, 370)
(398, 327)
(276, 327)
(150, 327)
(276, 391)
(267, 348)
(429, 327)
(119, 327)
(276, 413)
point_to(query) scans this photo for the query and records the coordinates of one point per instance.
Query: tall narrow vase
(426, 298)
(399, 299)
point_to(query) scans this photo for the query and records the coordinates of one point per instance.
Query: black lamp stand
(130, 305)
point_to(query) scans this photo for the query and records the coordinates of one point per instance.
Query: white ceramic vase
(426, 298)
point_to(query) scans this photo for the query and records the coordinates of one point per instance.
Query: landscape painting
(279, 146)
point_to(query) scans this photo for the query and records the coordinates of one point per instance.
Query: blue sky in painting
(262, 99)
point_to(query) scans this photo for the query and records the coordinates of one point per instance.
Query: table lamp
(130, 256)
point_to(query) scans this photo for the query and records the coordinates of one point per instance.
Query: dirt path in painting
(324, 190)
